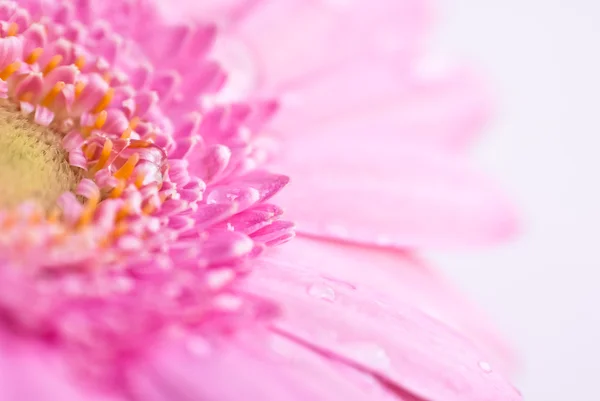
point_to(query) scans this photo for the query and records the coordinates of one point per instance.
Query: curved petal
(387, 102)
(32, 371)
(294, 39)
(374, 192)
(260, 366)
(395, 341)
(398, 277)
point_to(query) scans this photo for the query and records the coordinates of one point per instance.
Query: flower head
(136, 227)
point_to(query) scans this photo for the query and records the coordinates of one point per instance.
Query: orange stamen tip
(105, 101)
(34, 55)
(86, 131)
(52, 64)
(13, 29)
(107, 77)
(120, 229)
(104, 155)
(122, 213)
(127, 133)
(26, 97)
(148, 209)
(101, 119)
(118, 190)
(134, 122)
(88, 211)
(52, 93)
(80, 62)
(79, 87)
(139, 180)
(90, 150)
(9, 70)
(127, 168)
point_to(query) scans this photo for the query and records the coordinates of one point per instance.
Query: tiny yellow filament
(127, 168)
(52, 64)
(9, 70)
(80, 62)
(13, 29)
(34, 55)
(88, 211)
(79, 87)
(52, 93)
(105, 101)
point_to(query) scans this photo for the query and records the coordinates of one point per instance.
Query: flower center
(33, 163)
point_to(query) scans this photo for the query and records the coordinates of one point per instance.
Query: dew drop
(485, 366)
(322, 291)
(369, 353)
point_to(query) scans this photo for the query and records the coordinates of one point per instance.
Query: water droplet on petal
(370, 354)
(322, 291)
(485, 366)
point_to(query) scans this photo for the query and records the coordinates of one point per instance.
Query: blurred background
(543, 60)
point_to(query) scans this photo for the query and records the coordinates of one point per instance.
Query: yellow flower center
(33, 163)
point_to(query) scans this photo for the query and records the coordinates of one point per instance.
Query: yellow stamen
(120, 229)
(127, 168)
(104, 155)
(26, 97)
(105, 101)
(132, 125)
(51, 95)
(52, 64)
(88, 211)
(80, 62)
(79, 87)
(34, 55)
(118, 190)
(148, 208)
(9, 70)
(139, 180)
(13, 29)
(101, 119)
(122, 213)
(86, 131)
(107, 76)
(89, 150)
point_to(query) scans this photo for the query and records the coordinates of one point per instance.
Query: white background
(543, 58)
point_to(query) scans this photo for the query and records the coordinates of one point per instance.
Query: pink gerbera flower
(139, 242)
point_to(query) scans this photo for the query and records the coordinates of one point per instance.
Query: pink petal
(264, 367)
(401, 278)
(31, 371)
(397, 343)
(386, 102)
(297, 38)
(370, 191)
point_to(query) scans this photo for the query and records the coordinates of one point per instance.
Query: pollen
(33, 163)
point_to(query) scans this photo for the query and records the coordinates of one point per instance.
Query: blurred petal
(398, 277)
(264, 367)
(396, 343)
(385, 102)
(375, 192)
(31, 371)
(294, 39)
